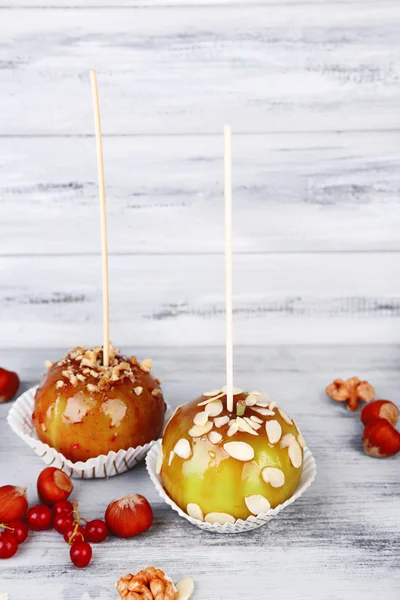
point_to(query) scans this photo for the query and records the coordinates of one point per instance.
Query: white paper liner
(240, 526)
(20, 420)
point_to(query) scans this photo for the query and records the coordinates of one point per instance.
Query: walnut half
(351, 391)
(150, 584)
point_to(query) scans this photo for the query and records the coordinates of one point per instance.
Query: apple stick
(103, 218)
(228, 265)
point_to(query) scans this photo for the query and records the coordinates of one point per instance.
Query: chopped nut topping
(92, 388)
(82, 362)
(146, 365)
(138, 390)
(156, 392)
(60, 383)
(158, 380)
(48, 364)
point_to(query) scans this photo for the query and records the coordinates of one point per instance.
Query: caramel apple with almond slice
(219, 466)
(84, 409)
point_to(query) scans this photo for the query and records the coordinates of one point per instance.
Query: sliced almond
(295, 454)
(220, 518)
(301, 440)
(171, 457)
(239, 450)
(211, 393)
(159, 461)
(185, 588)
(251, 400)
(199, 430)
(245, 427)
(272, 405)
(205, 402)
(256, 419)
(215, 408)
(255, 393)
(235, 390)
(257, 504)
(287, 439)
(201, 418)
(183, 449)
(194, 511)
(252, 423)
(285, 417)
(265, 412)
(234, 428)
(274, 431)
(221, 421)
(214, 437)
(274, 476)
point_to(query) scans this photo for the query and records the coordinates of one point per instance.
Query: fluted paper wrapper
(240, 526)
(106, 465)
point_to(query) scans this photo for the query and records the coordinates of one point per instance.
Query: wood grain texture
(186, 69)
(338, 542)
(179, 299)
(304, 192)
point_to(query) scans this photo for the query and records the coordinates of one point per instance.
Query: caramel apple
(219, 466)
(84, 409)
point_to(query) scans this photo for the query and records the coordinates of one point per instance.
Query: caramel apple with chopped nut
(219, 467)
(83, 409)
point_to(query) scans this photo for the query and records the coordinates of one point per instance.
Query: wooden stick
(228, 265)
(103, 218)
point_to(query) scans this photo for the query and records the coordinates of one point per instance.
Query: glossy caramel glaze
(82, 424)
(213, 479)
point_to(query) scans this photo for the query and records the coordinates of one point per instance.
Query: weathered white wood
(297, 192)
(179, 299)
(337, 542)
(101, 4)
(188, 69)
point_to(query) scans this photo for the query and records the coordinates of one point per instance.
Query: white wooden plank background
(189, 69)
(305, 192)
(178, 299)
(338, 542)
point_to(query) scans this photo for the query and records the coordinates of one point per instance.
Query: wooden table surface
(338, 541)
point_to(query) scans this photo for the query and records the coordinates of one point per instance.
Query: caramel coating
(215, 481)
(83, 424)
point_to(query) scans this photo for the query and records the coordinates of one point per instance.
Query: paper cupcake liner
(240, 526)
(114, 463)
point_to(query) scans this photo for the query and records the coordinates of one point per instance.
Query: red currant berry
(61, 507)
(81, 554)
(63, 522)
(96, 531)
(8, 545)
(71, 536)
(20, 530)
(39, 517)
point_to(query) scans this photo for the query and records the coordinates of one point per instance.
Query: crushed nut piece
(81, 377)
(156, 392)
(48, 364)
(133, 360)
(138, 390)
(351, 391)
(60, 383)
(92, 388)
(146, 365)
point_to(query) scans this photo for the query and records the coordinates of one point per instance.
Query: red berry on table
(81, 554)
(74, 534)
(96, 531)
(39, 517)
(19, 530)
(63, 506)
(9, 384)
(8, 545)
(63, 522)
